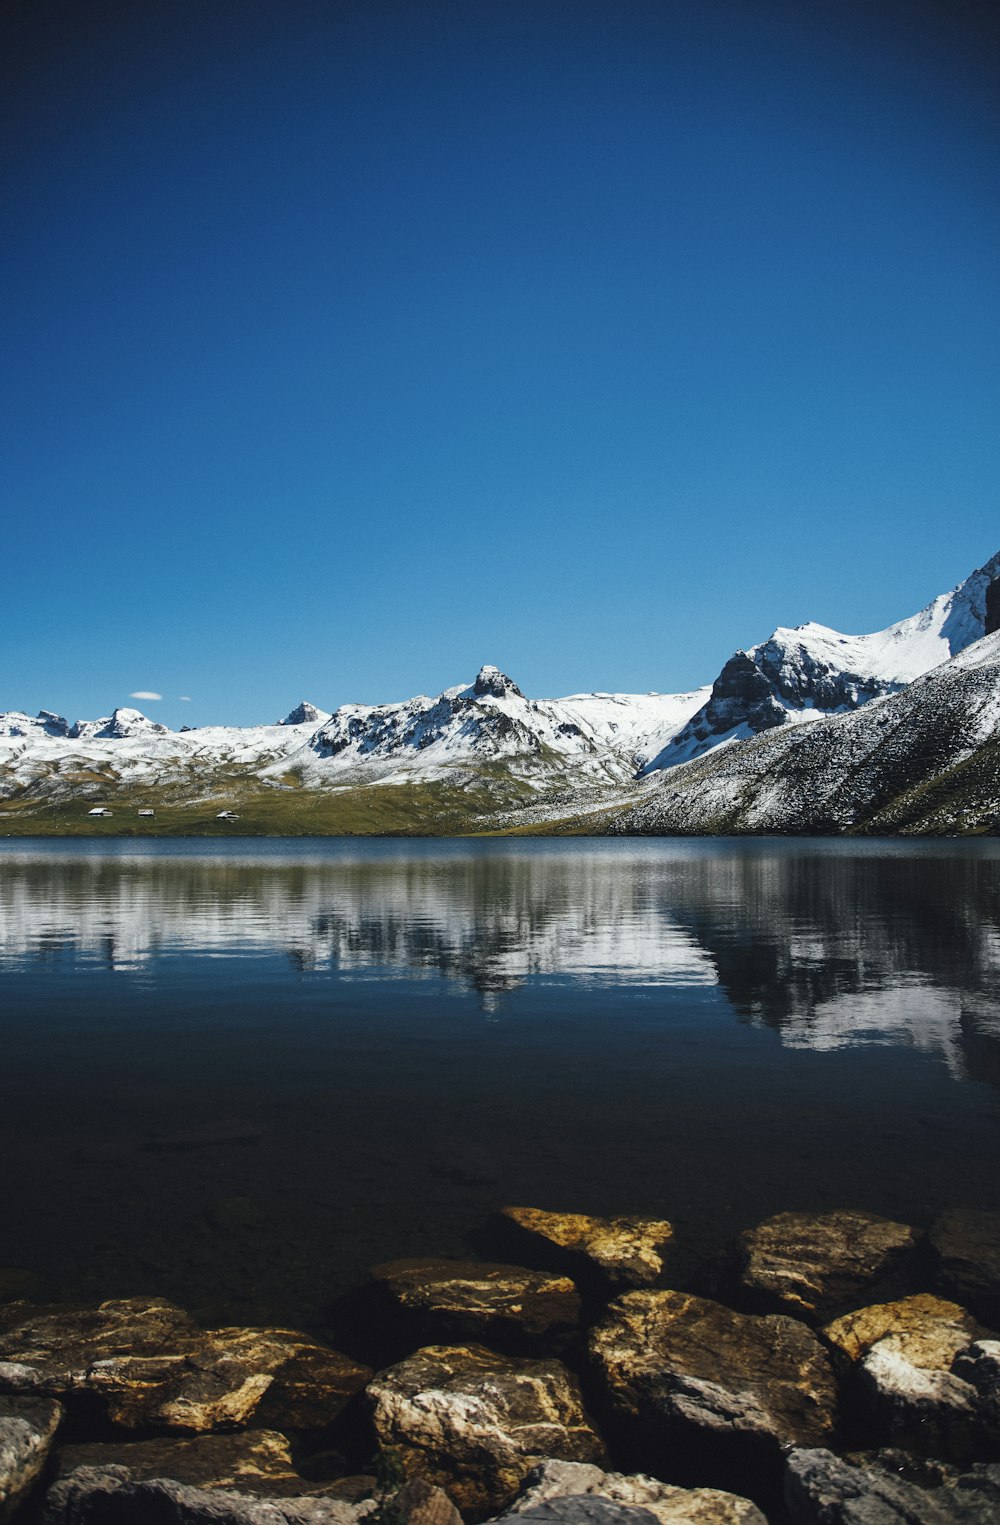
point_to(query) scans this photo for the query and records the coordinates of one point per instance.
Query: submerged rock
(27, 1430)
(256, 1461)
(670, 1505)
(622, 1253)
(967, 1245)
(102, 1495)
(813, 1264)
(907, 1359)
(823, 1489)
(474, 1423)
(455, 1300)
(149, 1365)
(583, 1509)
(701, 1387)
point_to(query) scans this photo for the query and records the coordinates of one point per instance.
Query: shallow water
(238, 1077)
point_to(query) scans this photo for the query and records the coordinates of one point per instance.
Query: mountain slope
(926, 759)
(795, 673)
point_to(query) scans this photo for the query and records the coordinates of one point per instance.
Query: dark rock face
(812, 1265)
(27, 1430)
(823, 1489)
(492, 683)
(505, 1306)
(148, 1364)
(689, 1377)
(993, 607)
(474, 1423)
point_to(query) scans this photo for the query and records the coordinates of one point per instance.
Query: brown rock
(475, 1423)
(703, 1388)
(967, 1244)
(813, 1264)
(506, 1306)
(907, 1358)
(621, 1252)
(151, 1366)
(925, 1330)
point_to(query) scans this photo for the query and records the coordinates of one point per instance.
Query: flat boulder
(697, 1386)
(966, 1243)
(101, 1495)
(27, 1431)
(668, 1504)
(824, 1489)
(907, 1359)
(149, 1365)
(474, 1423)
(811, 1265)
(255, 1461)
(505, 1306)
(584, 1509)
(619, 1253)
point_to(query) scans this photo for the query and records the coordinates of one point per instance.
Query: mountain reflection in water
(830, 945)
(239, 1076)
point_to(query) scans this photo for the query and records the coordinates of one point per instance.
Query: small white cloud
(185, 698)
(145, 693)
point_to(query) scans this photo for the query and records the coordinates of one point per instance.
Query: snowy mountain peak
(305, 713)
(122, 722)
(491, 682)
(55, 725)
(797, 672)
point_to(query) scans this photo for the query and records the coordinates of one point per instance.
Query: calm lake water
(239, 1076)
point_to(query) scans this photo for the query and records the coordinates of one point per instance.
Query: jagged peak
(494, 683)
(304, 713)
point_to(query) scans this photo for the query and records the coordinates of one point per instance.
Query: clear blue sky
(348, 346)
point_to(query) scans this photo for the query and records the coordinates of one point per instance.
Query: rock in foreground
(150, 1366)
(475, 1423)
(620, 1253)
(907, 1357)
(814, 1264)
(823, 1489)
(671, 1506)
(708, 1392)
(27, 1430)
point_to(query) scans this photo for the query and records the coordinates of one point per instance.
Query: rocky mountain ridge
(490, 735)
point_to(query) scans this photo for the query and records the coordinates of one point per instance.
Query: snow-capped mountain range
(548, 745)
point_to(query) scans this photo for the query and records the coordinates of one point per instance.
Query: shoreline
(581, 1361)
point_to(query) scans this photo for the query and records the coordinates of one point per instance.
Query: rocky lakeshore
(836, 1367)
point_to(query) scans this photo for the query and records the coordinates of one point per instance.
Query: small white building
(227, 815)
(147, 812)
(99, 810)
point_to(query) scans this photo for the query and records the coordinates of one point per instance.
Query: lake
(237, 1076)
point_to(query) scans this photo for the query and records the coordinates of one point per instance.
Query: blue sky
(347, 347)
